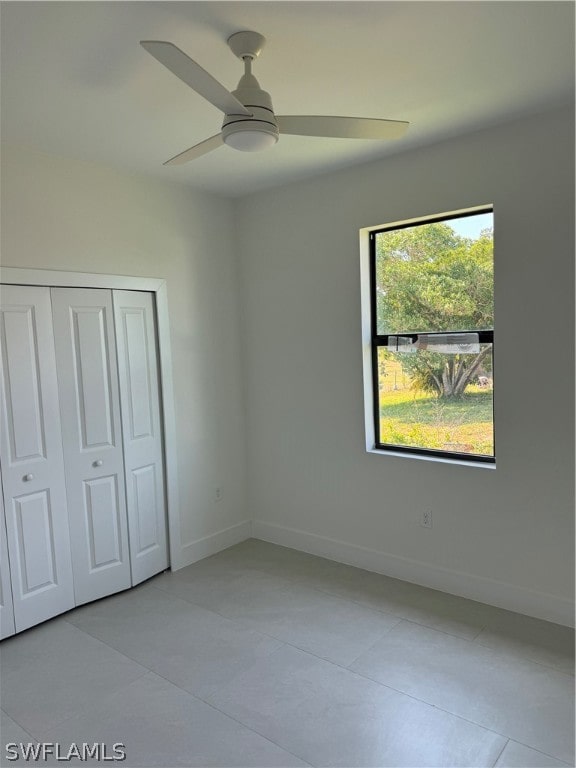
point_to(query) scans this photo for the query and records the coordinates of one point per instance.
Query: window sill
(437, 459)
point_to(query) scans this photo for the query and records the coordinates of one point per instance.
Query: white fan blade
(341, 127)
(193, 75)
(197, 150)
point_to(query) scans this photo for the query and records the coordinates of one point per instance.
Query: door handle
(28, 477)
(97, 463)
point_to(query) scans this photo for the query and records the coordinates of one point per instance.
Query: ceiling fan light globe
(251, 141)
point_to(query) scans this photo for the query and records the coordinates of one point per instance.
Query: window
(432, 336)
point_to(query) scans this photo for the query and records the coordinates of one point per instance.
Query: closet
(81, 449)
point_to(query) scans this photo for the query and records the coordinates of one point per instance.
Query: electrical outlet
(426, 519)
(218, 493)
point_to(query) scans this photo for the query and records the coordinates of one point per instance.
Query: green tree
(428, 278)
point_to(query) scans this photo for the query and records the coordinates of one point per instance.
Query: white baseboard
(210, 545)
(500, 594)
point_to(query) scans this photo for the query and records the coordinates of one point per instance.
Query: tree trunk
(457, 375)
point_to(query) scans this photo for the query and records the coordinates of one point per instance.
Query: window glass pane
(437, 401)
(436, 276)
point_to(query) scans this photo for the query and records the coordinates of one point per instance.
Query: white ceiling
(76, 82)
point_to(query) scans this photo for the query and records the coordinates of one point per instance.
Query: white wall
(505, 535)
(66, 215)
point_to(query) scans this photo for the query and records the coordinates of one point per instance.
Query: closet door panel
(7, 626)
(145, 496)
(23, 406)
(32, 463)
(34, 531)
(90, 408)
(103, 522)
(134, 314)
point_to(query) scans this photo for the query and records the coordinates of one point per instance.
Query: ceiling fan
(249, 123)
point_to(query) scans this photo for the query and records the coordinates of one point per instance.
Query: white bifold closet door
(92, 438)
(142, 432)
(32, 463)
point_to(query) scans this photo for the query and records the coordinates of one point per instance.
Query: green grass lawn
(412, 418)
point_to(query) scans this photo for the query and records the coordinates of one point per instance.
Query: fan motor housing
(263, 120)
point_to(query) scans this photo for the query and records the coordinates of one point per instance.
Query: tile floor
(264, 656)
